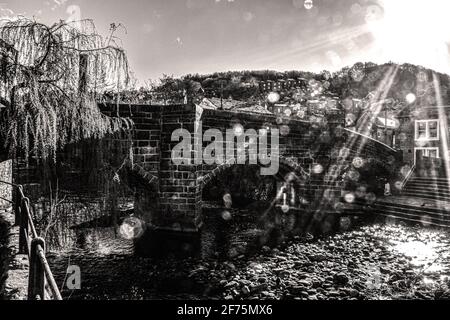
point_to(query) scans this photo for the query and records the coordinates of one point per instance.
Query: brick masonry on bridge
(172, 198)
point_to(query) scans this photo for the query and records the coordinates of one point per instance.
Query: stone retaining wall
(5, 190)
(5, 223)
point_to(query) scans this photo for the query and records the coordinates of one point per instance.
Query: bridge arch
(237, 195)
(151, 181)
(269, 188)
(289, 169)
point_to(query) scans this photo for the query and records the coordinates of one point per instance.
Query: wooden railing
(41, 283)
(407, 177)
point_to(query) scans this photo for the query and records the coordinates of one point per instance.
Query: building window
(433, 129)
(421, 130)
(427, 130)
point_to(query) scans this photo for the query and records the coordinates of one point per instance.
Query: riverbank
(4, 252)
(380, 261)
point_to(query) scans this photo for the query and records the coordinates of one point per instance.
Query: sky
(178, 37)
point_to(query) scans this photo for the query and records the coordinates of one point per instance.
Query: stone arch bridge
(316, 154)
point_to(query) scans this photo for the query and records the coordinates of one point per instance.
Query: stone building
(383, 130)
(423, 131)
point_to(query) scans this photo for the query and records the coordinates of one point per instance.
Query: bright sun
(414, 31)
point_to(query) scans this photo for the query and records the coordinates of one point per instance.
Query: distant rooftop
(407, 111)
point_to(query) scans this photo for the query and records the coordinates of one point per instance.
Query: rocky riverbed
(380, 261)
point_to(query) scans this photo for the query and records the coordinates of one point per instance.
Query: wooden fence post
(23, 232)
(17, 196)
(36, 278)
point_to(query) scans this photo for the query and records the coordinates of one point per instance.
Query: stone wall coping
(109, 106)
(371, 139)
(250, 115)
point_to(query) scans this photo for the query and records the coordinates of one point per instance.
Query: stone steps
(430, 192)
(404, 206)
(427, 187)
(413, 220)
(437, 179)
(426, 195)
(414, 211)
(426, 184)
(431, 188)
(433, 179)
(423, 215)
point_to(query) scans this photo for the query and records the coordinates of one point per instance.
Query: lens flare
(344, 152)
(410, 98)
(273, 97)
(358, 162)
(285, 130)
(317, 169)
(308, 4)
(409, 31)
(288, 112)
(371, 197)
(132, 228)
(227, 200)
(226, 215)
(361, 191)
(349, 198)
(405, 170)
(345, 223)
(238, 129)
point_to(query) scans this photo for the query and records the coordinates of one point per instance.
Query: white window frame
(429, 148)
(427, 130)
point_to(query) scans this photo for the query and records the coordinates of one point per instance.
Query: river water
(238, 237)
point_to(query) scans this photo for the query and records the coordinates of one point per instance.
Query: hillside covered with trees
(390, 80)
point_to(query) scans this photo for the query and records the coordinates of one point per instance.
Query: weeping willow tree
(58, 70)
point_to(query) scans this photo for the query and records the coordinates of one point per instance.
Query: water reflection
(426, 249)
(101, 241)
(421, 253)
(227, 233)
(227, 238)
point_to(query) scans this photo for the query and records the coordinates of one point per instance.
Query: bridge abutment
(168, 196)
(179, 189)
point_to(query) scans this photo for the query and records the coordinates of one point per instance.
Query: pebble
(245, 290)
(231, 284)
(304, 283)
(341, 279)
(318, 257)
